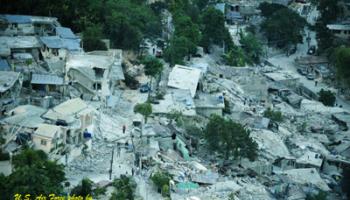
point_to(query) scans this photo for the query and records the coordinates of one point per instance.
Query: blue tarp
(20, 19)
(4, 66)
(87, 135)
(66, 33)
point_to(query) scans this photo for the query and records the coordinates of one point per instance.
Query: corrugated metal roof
(64, 32)
(46, 79)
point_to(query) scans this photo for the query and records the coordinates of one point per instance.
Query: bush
(275, 116)
(4, 156)
(160, 179)
(165, 191)
(327, 97)
(125, 188)
(160, 95)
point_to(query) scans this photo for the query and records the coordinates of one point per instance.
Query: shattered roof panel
(4, 65)
(47, 130)
(310, 157)
(306, 176)
(7, 80)
(183, 77)
(19, 42)
(89, 61)
(64, 32)
(46, 79)
(56, 42)
(26, 116)
(209, 101)
(71, 106)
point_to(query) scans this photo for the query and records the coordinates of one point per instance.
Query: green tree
(145, 109)
(290, 34)
(213, 27)
(161, 180)
(83, 189)
(329, 12)
(33, 174)
(252, 47)
(342, 62)
(321, 195)
(327, 97)
(235, 57)
(153, 68)
(177, 50)
(345, 183)
(275, 116)
(184, 27)
(125, 188)
(230, 138)
(268, 9)
(92, 36)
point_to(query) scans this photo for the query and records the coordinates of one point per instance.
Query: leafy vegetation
(345, 183)
(275, 116)
(327, 97)
(329, 12)
(161, 180)
(92, 36)
(229, 138)
(83, 189)
(321, 195)
(33, 174)
(125, 188)
(292, 23)
(342, 61)
(124, 22)
(153, 67)
(145, 109)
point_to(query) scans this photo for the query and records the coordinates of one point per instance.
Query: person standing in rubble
(124, 129)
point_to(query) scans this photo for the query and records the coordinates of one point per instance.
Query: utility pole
(110, 170)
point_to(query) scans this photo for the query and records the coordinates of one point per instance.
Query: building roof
(26, 116)
(47, 130)
(306, 176)
(176, 100)
(19, 19)
(310, 158)
(45, 79)
(338, 27)
(4, 65)
(209, 100)
(71, 107)
(7, 80)
(89, 61)
(281, 76)
(183, 77)
(64, 32)
(27, 19)
(55, 42)
(19, 42)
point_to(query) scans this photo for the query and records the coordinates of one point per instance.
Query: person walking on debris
(124, 128)
(316, 83)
